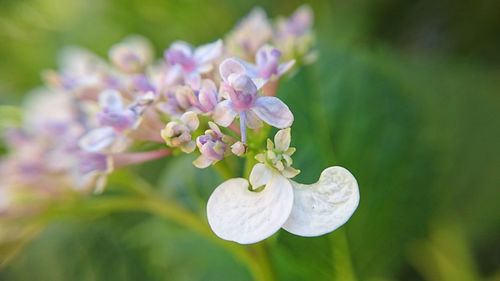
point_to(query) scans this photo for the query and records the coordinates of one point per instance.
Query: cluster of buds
(198, 100)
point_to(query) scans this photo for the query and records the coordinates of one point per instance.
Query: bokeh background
(405, 94)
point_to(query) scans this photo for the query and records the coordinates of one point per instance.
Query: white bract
(250, 211)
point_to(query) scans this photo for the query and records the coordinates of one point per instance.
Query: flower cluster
(92, 115)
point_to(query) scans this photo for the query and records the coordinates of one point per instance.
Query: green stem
(223, 170)
(342, 265)
(262, 256)
(249, 163)
(176, 213)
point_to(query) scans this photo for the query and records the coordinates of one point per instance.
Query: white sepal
(324, 206)
(237, 214)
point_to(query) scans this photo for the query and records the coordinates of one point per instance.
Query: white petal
(183, 47)
(208, 52)
(260, 175)
(238, 148)
(193, 80)
(183, 96)
(208, 95)
(190, 119)
(273, 111)
(237, 214)
(231, 66)
(324, 206)
(202, 162)
(224, 113)
(282, 139)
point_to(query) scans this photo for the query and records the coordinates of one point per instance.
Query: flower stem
(253, 257)
(342, 264)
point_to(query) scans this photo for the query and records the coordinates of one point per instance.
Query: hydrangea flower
(203, 99)
(92, 170)
(248, 211)
(268, 64)
(132, 55)
(212, 146)
(294, 36)
(192, 62)
(279, 154)
(82, 127)
(250, 34)
(244, 101)
(239, 148)
(177, 133)
(98, 139)
(113, 112)
(82, 73)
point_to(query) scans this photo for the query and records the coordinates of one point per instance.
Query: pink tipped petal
(324, 206)
(202, 162)
(208, 95)
(194, 80)
(246, 217)
(215, 128)
(273, 111)
(188, 147)
(190, 119)
(303, 18)
(208, 52)
(208, 85)
(224, 113)
(230, 66)
(181, 47)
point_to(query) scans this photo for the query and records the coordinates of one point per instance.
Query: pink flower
(191, 62)
(243, 100)
(132, 55)
(114, 113)
(267, 63)
(212, 147)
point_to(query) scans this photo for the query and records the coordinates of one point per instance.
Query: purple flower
(177, 133)
(82, 73)
(206, 96)
(113, 112)
(212, 147)
(131, 55)
(92, 170)
(298, 24)
(250, 34)
(191, 62)
(294, 36)
(98, 139)
(244, 101)
(203, 99)
(268, 66)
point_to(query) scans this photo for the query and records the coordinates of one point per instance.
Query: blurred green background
(405, 94)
